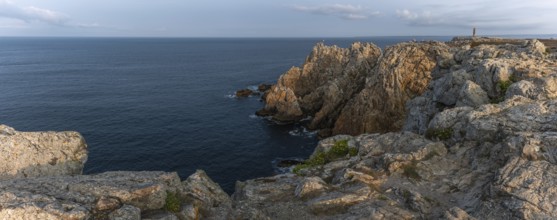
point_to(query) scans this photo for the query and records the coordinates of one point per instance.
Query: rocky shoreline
(465, 129)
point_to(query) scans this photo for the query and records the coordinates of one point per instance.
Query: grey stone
(472, 95)
(126, 212)
(35, 154)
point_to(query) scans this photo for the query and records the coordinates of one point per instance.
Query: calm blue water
(158, 104)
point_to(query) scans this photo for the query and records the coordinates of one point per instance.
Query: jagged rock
(420, 111)
(282, 104)
(310, 187)
(403, 73)
(536, 88)
(530, 187)
(496, 121)
(244, 93)
(472, 95)
(34, 154)
(490, 73)
(327, 80)
(206, 196)
(269, 198)
(447, 89)
(264, 87)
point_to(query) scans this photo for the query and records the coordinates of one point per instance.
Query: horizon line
(273, 37)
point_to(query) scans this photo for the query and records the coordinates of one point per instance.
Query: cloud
(492, 15)
(349, 12)
(28, 14)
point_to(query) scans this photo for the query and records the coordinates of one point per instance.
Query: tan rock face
(329, 77)
(34, 154)
(403, 73)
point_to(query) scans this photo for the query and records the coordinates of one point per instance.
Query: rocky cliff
(473, 135)
(329, 78)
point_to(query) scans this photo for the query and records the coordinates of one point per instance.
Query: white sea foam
(302, 132)
(308, 118)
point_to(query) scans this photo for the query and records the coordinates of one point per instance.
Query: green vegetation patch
(503, 86)
(382, 197)
(411, 171)
(441, 133)
(172, 202)
(340, 149)
(407, 195)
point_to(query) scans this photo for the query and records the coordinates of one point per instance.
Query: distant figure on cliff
(474, 32)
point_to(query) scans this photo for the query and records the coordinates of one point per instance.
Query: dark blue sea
(159, 103)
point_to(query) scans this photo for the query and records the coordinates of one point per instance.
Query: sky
(280, 18)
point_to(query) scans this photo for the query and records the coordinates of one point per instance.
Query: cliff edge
(457, 130)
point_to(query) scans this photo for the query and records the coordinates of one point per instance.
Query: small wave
(253, 116)
(254, 88)
(232, 96)
(302, 132)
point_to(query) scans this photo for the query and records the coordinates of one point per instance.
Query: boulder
(447, 88)
(244, 93)
(472, 95)
(205, 196)
(542, 88)
(36, 154)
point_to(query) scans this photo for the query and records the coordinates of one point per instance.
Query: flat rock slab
(82, 197)
(35, 154)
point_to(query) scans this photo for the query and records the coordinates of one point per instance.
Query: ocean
(160, 103)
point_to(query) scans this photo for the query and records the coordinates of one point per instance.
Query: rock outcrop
(34, 154)
(345, 90)
(478, 142)
(244, 93)
(403, 73)
(322, 86)
(113, 195)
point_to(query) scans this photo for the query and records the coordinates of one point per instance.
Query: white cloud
(350, 12)
(8, 9)
(488, 15)
(425, 18)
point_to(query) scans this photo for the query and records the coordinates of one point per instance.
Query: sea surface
(160, 103)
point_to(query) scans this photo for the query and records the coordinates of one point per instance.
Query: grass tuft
(172, 203)
(441, 133)
(411, 171)
(340, 149)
